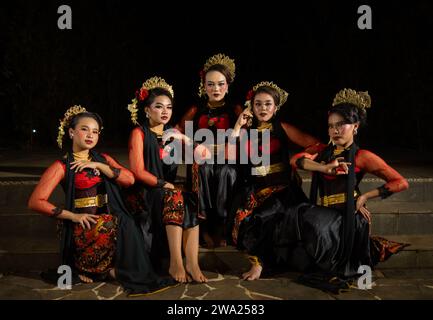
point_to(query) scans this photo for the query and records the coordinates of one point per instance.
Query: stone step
(16, 193)
(28, 254)
(396, 218)
(25, 254)
(401, 218)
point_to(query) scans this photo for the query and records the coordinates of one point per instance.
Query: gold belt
(216, 147)
(265, 170)
(335, 199)
(99, 201)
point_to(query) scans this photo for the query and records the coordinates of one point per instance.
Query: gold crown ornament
(69, 114)
(360, 99)
(221, 59)
(282, 93)
(143, 93)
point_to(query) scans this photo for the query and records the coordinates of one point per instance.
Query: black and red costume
(114, 241)
(216, 183)
(334, 238)
(154, 205)
(259, 214)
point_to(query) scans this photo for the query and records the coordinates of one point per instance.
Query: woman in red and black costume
(99, 237)
(258, 219)
(216, 182)
(336, 239)
(168, 214)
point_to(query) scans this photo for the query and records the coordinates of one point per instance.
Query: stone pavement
(403, 284)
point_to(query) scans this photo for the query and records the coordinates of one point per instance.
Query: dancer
(168, 213)
(335, 236)
(99, 237)
(259, 213)
(216, 182)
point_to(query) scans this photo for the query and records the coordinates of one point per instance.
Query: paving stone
(400, 289)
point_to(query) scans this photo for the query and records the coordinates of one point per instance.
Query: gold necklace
(81, 156)
(264, 126)
(158, 130)
(217, 105)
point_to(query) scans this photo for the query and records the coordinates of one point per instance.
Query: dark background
(312, 50)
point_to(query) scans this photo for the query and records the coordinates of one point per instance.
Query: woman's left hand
(82, 164)
(360, 207)
(175, 135)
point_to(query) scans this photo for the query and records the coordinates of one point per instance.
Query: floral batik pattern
(174, 207)
(95, 248)
(254, 200)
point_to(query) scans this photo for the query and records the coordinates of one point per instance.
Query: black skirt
(217, 183)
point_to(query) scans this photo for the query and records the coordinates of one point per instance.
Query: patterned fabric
(195, 186)
(382, 249)
(95, 248)
(135, 199)
(254, 200)
(174, 207)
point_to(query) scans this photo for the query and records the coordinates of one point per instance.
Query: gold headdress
(282, 93)
(360, 99)
(143, 93)
(216, 59)
(71, 112)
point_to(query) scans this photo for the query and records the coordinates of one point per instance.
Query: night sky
(312, 50)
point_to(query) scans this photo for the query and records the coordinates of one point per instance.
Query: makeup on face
(85, 134)
(160, 111)
(339, 130)
(264, 107)
(216, 86)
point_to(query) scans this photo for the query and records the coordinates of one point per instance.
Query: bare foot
(253, 274)
(85, 279)
(178, 273)
(112, 274)
(195, 273)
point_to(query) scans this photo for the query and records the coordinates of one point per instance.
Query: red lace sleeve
(124, 177)
(136, 159)
(309, 153)
(50, 179)
(371, 163)
(297, 136)
(188, 116)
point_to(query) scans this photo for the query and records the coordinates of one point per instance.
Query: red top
(136, 159)
(365, 161)
(220, 123)
(55, 174)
